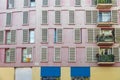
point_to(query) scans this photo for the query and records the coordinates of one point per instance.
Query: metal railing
(104, 1)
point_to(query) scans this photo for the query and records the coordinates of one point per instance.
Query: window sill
(57, 24)
(44, 61)
(57, 61)
(28, 43)
(58, 42)
(11, 8)
(8, 26)
(44, 42)
(71, 24)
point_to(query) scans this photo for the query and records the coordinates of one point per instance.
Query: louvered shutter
(57, 17)
(57, 55)
(26, 3)
(12, 55)
(44, 54)
(95, 51)
(116, 54)
(1, 37)
(96, 33)
(71, 17)
(94, 2)
(94, 17)
(89, 54)
(114, 2)
(88, 17)
(59, 35)
(44, 35)
(7, 56)
(114, 16)
(25, 36)
(25, 17)
(57, 2)
(44, 17)
(90, 35)
(13, 36)
(71, 54)
(117, 35)
(8, 19)
(45, 2)
(77, 35)
(77, 2)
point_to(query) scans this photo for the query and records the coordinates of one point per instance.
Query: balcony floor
(104, 6)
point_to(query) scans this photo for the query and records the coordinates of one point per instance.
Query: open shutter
(95, 51)
(88, 17)
(45, 2)
(71, 54)
(89, 54)
(44, 35)
(43, 54)
(57, 17)
(114, 16)
(90, 35)
(94, 17)
(96, 33)
(8, 19)
(26, 3)
(117, 35)
(13, 36)
(71, 17)
(25, 36)
(59, 35)
(77, 35)
(12, 3)
(57, 2)
(57, 55)
(1, 37)
(116, 54)
(44, 17)
(29, 52)
(77, 2)
(25, 17)
(7, 56)
(12, 55)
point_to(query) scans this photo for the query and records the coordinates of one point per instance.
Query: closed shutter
(25, 36)
(88, 17)
(44, 54)
(44, 17)
(26, 3)
(77, 2)
(25, 17)
(7, 55)
(94, 17)
(117, 35)
(114, 16)
(71, 54)
(13, 36)
(95, 51)
(90, 35)
(1, 37)
(96, 33)
(71, 17)
(8, 19)
(57, 55)
(116, 54)
(44, 35)
(89, 54)
(77, 35)
(12, 55)
(57, 17)
(57, 2)
(59, 35)
(45, 2)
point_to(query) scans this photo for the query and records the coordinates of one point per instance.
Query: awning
(50, 71)
(80, 71)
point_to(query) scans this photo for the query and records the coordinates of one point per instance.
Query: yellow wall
(36, 73)
(65, 73)
(6, 73)
(105, 73)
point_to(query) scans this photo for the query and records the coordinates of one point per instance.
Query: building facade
(59, 40)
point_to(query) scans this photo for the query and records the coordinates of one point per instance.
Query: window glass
(32, 36)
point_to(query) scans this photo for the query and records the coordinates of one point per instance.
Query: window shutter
(12, 55)
(117, 35)
(77, 2)
(25, 36)
(1, 37)
(10, 3)
(88, 17)
(29, 52)
(44, 17)
(94, 15)
(7, 56)
(94, 2)
(71, 54)
(25, 17)
(116, 54)
(13, 36)
(95, 51)
(57, 2)
(8, 19)
(26, 3)
(57, 55)
(90, 35)
(114, 2)
(77, 35)
(59, 35)
(71, 17)
(45, 2)
(44, 35)
(57, 17)
(96, 33)
(114, 16)
(44, 55)
(89, 54)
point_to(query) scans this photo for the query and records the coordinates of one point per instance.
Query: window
(57, 54)
(71, 17)
(27, 55)
(80, 78)
(77, 34)
(57, 17)
(117, 35)
(9, 19)
(25, 17)
(104, 16)
(57, 2)
(10, 4)
(10, 55)
(30, 3)
(77, 2)
(45, 2)
(28, 36)
(44, 17)
(72, 54)
(44, 35)
(10, 37)
(50, 78)
(44, 54)
(57, 35)
(1, 37)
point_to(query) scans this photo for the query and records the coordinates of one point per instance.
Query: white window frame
(46, 53)
(47, 35)
(55, 56)
(69, 54)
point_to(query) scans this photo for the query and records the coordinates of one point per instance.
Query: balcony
(104, 4)
(105, 24)
(106, 59)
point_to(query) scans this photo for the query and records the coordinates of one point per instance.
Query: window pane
(8, 37)
(32, 3)
(32, 36)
